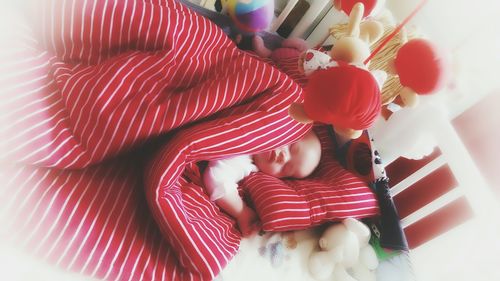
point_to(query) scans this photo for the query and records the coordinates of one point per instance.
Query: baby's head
(297, 160)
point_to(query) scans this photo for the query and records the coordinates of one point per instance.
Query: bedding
(331, 193)
(285, 255)
(106, 108)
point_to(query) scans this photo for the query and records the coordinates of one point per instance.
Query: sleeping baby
(221, 177)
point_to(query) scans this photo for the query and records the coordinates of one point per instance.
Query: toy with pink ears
(344, 93)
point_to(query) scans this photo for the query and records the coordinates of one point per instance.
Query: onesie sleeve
(222, 176)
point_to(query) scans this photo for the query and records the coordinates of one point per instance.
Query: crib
(106, 198)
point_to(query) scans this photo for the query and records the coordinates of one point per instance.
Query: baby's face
(297, 160)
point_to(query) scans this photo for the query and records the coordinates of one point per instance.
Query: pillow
(331, 193)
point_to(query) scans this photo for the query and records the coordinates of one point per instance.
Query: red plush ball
(347, 5)
(344, 96)
(420, 66)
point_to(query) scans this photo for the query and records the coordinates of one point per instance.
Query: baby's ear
(297, 112)
(371, 31)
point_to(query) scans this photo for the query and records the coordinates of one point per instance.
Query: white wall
(468, 31)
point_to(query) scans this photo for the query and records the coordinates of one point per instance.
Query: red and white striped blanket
(84, 85)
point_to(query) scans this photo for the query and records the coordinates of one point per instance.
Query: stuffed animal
(421, 70)
(341, 91)
(382, 58)
(250, 15)
(344, 247)
(420, 66)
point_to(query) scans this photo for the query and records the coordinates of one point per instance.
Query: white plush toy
(344, 247)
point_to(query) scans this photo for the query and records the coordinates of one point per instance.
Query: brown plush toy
(414, 67)
(341, 91)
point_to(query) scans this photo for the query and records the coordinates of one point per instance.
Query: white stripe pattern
(330, 194)
(95, 79)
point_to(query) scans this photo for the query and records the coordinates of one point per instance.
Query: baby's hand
(248, 221)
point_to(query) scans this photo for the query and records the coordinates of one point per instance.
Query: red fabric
(200, 246)
(331, 193)
(93, 221)
(420, 66)
(344, 96)
(85, 81)
(85, 84)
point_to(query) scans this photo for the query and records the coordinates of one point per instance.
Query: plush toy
(420, 68)
(416, 68)
(415, 65)
(383, 57)
(344, 247)
(347, 5)
(341, 91)
(250, 15)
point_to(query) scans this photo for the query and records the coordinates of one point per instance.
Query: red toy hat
(420, 66)
(347, 5)
(345, 96)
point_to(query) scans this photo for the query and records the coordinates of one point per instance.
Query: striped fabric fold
(87, 80)
(84, 85)
(202, 243)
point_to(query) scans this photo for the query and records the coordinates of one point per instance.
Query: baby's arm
(221, 179)
(246, 218)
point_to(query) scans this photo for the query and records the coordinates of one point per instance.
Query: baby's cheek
(269, 168)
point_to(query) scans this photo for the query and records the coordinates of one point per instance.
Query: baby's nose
(283, 155)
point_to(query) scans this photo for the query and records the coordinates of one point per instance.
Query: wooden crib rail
(441, 191)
